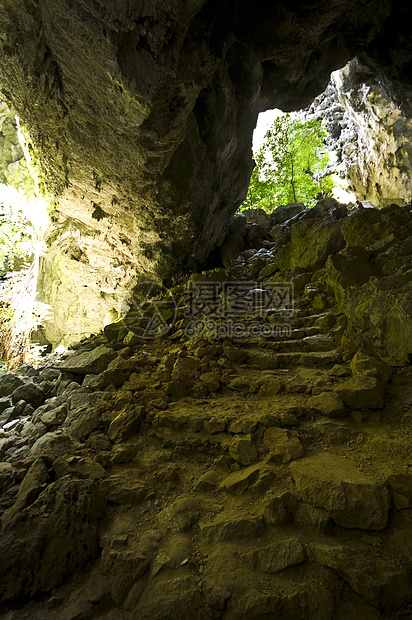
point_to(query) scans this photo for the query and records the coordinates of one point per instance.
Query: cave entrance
(368, 138)
(23, 221)
(299, 156)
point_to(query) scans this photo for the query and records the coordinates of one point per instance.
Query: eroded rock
(352, 498)
(312, 241)
(165, 194)
(57, 534)
(89, 362)
(361, 392)
(328, 404)
(8, 383)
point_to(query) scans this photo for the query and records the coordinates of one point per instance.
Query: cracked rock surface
(207, 477)
(140, 115)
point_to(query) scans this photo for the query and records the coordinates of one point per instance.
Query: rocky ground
(206, 477)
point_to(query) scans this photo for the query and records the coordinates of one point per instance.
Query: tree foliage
(17, 236)
(290, 166)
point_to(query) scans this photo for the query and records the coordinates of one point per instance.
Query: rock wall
(370, 135)
(83, 275)
(13, 165)
(140, 115)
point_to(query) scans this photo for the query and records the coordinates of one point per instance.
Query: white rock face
(371, 137)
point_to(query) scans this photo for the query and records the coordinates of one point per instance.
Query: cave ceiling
(141, 113)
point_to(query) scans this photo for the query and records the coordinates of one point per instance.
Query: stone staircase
(235, 479)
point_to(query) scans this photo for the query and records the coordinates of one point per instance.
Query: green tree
(290, 166)
(18, 237)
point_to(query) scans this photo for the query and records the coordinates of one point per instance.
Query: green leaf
(290, 166)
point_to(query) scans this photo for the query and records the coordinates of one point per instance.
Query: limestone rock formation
(140, 117)
(370, 135)
(378, 309)
(13, 165)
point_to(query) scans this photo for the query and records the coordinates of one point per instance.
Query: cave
(176, 462)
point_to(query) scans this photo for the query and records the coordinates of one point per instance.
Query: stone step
(352, 499)
(280, 381)
(229, 414)
(323, 317)
(270, 361)
(311, 358)
(298, 335)
(315, 342)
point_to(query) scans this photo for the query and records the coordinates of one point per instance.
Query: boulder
(7, 415)
(327, 204)
(275, 557)
(57, 534)
(372, 228)
(281, 233)
(243, 450)
(185, 369)
(110, 376)
(207, 482)
(33, 483)
(284, 213)
(5, 403)
(258, 216)
(49, 405)
(231, 527)
(380, 581)
(312, 517)
(123, 490)
(328, 404)
(182, 514)
(126, 423)
(115, 331)
(120, 363)
(312, 241)
(400, 486)
(122, 453)
(78, 467)
(48, 387)
(238, 481)
(352, 498)
(389, 447)
(211, 381)
(279, 507)
(362, 364)
(82, 397)
(350, 267)
(283, 445)
(8, 383)
(396, 258)
(54, 442)
(88, 362)
(6, 475)
(82, 421)
(362, 392)
(242, 425)
(54, 417)
(31, 393)
(379, 318)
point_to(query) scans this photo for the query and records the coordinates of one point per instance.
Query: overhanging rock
(141, 115)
